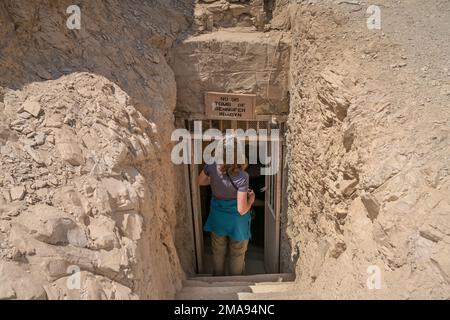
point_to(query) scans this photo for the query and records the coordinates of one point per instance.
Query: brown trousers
(237, 255)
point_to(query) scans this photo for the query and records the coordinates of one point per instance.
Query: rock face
(52, 226)
(369, 161)
(210, 15)
(86, 202)
(233, 61)
(232, 55)
(89, 204)
(92, 208)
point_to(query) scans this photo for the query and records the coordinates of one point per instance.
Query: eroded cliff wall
(369, 151)
(86, 178)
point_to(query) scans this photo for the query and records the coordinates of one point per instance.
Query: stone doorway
(263, 255)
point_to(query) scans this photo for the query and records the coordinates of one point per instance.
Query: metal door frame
(272, 209)
(193, 189)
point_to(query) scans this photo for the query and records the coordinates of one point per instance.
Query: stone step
(257, 288)
(234, 287)
(274, 277)
(283, 295)
(259, 291)
(213, 290)
(208, 296)
(273, 287)
(238, 35)
(199, 283)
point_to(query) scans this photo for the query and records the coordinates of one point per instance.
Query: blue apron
(225, 220)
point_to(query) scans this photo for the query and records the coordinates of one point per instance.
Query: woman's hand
(251, 197)
(203, 179)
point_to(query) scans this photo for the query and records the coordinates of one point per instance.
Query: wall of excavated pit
(211, 15)
(235, 62)
(86, 178)
(234, 46)
(368, 188)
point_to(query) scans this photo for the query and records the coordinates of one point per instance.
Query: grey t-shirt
(221, 186)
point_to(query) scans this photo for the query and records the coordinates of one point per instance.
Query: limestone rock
(102, 231)
(35, 155)
(353, 129)
(7, 292)
(123, 197)
(12, 209)
(32, 107)
(348, 137)
(229, 66)
(40, 138)
(132, 224)
(54, 121)
(441, 259)
(338, 249)
(87, 286)
(371, 204)
(67, 124)
(17, 283)
(347, 187)
(211, 14)
(52, 226)
(17, 193)
(4, 133)
(69, 148)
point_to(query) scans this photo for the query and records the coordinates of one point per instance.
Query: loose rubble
(77, 200)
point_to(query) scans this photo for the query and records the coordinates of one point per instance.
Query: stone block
(131, 224)
(101, 231)
(233, 62)
(17, 193)
(32, 107)
(371, 204)
(69, 148)
(52, 226)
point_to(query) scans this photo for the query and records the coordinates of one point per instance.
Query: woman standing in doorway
(229, 217)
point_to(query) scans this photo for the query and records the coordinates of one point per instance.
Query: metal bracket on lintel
(258, 117)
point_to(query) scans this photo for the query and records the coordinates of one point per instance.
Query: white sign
(231, 106)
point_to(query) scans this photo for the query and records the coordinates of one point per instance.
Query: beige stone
(52, 226)
(132, 224)
(372, 205)
(122, 195)
(347, 187)
(68, 147)
(91, 287)
(7, 292)
(354, 124)
(18, 283)
(17, 193)
(37, 156)
(32, 107)
(102, 231)
(233, 62)
(213, 14)
(90, 126)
